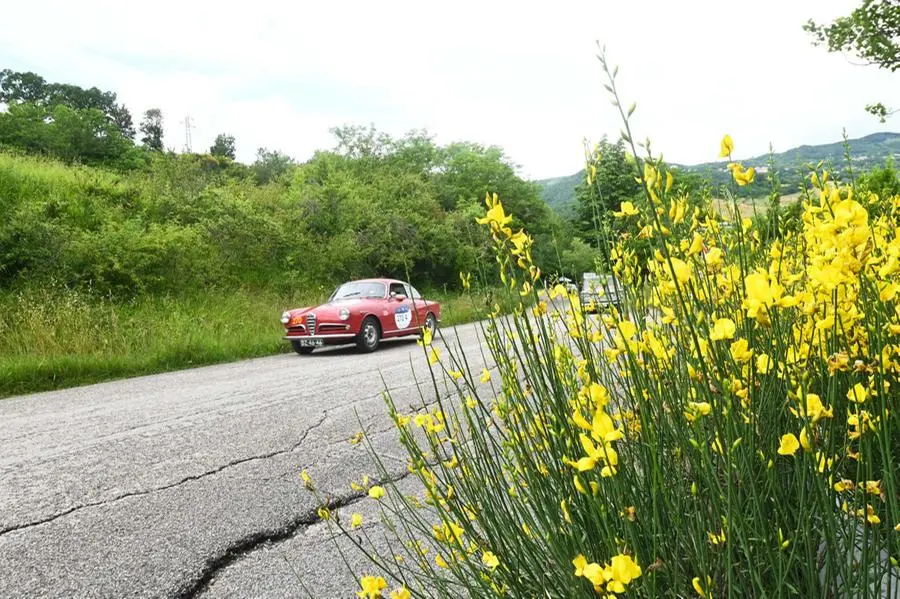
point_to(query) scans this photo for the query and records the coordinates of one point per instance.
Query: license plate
(311, 342)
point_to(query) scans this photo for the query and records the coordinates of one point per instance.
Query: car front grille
(311, 323)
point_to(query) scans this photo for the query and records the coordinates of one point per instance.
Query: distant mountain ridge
(865, 152)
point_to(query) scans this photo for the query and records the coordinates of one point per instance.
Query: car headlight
(344, 314)
(285, 318)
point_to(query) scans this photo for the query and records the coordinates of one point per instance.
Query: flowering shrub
(729, 430)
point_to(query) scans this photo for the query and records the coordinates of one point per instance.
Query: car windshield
(593, 282)
(358, 289)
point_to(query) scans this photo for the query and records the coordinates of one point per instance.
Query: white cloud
(518, 75)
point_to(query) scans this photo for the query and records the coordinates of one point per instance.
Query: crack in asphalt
(186, 479)
(255, 541)
(250, 543)
(193, 477)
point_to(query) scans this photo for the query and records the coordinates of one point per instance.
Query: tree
(882, 180)
(152, 128)
(613, 183)
(361, 142)
(22, 87)
(24, 126)
(223, 146)
(29, 87)
(464, 172)
(71, 134)
(872, 32)
(578, 258)
(85, 135)
(271, 166)
(121, 118)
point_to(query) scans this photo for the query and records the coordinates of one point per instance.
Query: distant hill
(559, 193)
(866, 152)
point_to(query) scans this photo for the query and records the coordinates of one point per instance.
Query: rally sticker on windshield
(402, 316)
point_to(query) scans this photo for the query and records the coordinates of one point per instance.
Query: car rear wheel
(369, 335)
(301, 349)
(430, 324)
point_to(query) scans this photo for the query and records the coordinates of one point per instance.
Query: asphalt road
(186, 484)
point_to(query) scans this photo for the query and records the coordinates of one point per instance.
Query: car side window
(415, 294)
(398, 289)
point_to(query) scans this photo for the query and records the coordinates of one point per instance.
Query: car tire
(303, 350)
(369, 335)
(430, 324)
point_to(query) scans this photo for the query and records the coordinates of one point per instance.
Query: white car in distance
(599, 290)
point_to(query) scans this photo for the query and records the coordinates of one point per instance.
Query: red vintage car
(362, 312)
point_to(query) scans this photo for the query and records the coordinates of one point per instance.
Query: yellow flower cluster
(509, 244)
(611, 578)
(829, 290)
(371, 587)
(601, 432)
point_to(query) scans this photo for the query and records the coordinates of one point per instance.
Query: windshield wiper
(351, 294)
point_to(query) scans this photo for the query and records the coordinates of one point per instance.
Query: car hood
(331, 309)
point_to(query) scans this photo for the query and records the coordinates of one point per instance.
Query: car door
(400, 314)
(417, 303)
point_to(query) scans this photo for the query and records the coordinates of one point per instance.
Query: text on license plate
(311, 342)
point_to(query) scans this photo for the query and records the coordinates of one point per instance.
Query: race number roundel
(403, 317)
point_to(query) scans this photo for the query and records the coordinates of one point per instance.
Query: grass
(50, 339)
(53, 338)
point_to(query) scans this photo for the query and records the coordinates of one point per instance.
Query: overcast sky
(280, 74)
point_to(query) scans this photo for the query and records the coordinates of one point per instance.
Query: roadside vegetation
(118, 257)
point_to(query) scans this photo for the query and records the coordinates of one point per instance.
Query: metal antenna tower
(187, 133)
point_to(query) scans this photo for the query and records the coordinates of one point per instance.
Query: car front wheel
(369, 335)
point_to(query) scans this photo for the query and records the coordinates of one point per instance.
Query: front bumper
(597, 300)
(323, 337)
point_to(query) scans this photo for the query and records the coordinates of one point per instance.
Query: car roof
(375, 280)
